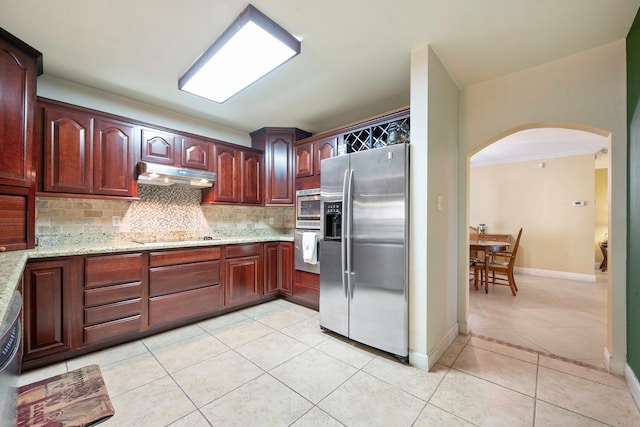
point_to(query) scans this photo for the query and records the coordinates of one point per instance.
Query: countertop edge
(12, 263)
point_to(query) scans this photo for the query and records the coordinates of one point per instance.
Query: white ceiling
(355, 54)
(541, 143)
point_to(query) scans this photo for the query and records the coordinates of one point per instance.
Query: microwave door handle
(343, 233)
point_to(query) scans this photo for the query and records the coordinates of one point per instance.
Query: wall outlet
(115, 221)
(271, 220)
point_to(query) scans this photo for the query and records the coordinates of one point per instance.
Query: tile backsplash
(162, 213)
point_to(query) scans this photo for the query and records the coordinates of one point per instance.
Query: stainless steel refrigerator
(364, 247)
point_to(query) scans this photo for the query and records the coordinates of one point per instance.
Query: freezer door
(334, 305)
(379, 291)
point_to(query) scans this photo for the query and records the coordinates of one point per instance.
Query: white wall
(434, 212)
(584, 91)
(556, 236)
(84, 96)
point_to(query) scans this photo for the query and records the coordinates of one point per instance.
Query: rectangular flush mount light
(251, 47)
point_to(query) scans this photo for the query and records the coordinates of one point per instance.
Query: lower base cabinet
(77, 304)
(306, 289)
(278, 268)
(183, 283)
(243, 274)
(50, 322)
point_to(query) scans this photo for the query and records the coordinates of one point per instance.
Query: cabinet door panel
(326, 148)
(157, 146)
(251, 178)
(113, 158)
(242, 280)
(279, 177)
(271, 264)
(227, 169)
(17, 102)
(48, 308)
(67, 151)
(195, 154)
(304, 160)
(286, 266)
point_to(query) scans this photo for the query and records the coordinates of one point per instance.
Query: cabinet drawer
(104, 331)
(177, 278)
(243, 250)
(112, 269)
(182, 305)
(113, 311)
(111, 294)
(157, 259)
(310, 280)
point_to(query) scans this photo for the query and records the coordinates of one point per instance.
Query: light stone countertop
(12, 263)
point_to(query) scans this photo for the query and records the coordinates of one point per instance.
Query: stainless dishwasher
(10, 358)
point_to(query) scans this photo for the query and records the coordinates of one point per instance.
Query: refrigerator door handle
(344, 231)
(349, 233)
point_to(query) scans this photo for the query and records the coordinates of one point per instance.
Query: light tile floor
(271, 365)
(567, 318)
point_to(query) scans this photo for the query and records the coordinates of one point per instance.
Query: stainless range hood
(154, 174)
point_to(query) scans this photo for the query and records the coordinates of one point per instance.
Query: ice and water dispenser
(333, 220)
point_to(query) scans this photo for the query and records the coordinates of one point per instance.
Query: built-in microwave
(308, 208)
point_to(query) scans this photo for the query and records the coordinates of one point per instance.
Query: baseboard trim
(632, 383)
(419, 360)
(555, 274)
(426, 361)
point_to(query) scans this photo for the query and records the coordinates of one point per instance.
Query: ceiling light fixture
(248, 49)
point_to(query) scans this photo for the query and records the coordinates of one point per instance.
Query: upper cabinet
(195, 154)
(114, 158)
(85, 153)
(238, 176)
(20, 65)
(277, 144)
(67, 158)
(379, 131)
(157, 146)
(309, 154)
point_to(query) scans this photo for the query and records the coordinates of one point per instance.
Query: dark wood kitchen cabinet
(114, 158)
(195, 154)
(50, 307)
(67, 157)
(243, 274)
(278, 267)
(238, 176)
(251, 177)
(20, 64)
(86, 153)
(184, 283)
(157, 146)
(309, 154)
(113, 296)
(277, 144)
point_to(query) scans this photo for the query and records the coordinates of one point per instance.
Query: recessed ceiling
(355, 55)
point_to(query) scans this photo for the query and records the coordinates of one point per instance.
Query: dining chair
(473, 257)
(501, 267)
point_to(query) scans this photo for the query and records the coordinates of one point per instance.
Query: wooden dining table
(488, 247)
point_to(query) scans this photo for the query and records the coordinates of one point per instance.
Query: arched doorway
(551, 227)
